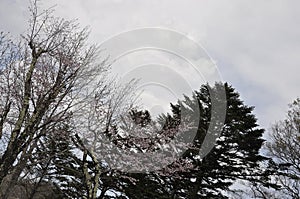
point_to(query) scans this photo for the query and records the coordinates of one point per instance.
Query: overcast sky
(255, 44)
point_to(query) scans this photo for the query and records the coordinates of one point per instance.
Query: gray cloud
(255, 43)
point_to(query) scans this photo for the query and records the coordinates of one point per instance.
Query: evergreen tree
(235, 155)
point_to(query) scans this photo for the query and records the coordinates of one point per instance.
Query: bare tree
(44, 81)
(284, 147)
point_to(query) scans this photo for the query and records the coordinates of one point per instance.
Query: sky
(255, 44)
